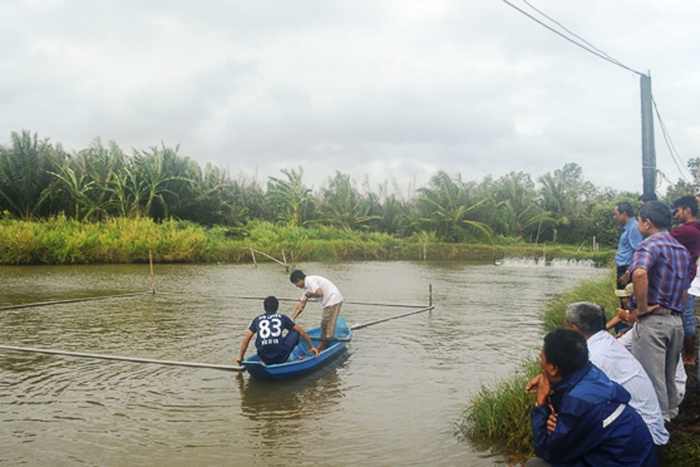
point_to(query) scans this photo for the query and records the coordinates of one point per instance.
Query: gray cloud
(380, 90)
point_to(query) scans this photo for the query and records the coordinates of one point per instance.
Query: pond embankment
(120, 240)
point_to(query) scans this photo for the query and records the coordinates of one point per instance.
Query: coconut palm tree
(563, 195)
(515, 196)
(446, 207)
(342, 205)
(290, 202)
(25, 174)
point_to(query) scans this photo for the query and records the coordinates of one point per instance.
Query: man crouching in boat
(271, 345)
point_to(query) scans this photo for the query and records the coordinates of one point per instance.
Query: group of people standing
(604, 400)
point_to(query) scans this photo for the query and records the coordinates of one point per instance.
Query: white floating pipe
(124, 359)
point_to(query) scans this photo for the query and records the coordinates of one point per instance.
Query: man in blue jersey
(272, 346)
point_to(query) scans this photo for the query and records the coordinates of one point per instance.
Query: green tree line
(40, 180)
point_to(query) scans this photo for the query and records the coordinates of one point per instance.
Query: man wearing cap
(623, 214)
(660, 272)
(616, 323)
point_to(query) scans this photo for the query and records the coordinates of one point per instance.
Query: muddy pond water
(392, 399)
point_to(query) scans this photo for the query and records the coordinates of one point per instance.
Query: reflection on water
(392, 399)
(281, 411)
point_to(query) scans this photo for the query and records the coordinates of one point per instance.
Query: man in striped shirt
(660, 270)
(618, 364)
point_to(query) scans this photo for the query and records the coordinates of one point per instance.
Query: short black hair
(588, 317)
(625, 207)
(296, 276)
(658, 213)
(687, 202)
(271, 304)
(567, 350)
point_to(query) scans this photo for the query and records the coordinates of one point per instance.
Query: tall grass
(60, 240)
(501, 414)
(600, 292)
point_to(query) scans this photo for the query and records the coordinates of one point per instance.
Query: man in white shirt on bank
(605, 352)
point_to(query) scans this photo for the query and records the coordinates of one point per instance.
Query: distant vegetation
(40, 182)
(59, 240)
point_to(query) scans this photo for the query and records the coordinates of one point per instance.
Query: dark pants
(288, 343)
(620, 271)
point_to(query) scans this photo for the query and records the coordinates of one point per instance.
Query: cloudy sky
(382, 90)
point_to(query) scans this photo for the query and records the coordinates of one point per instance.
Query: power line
(614, 60)
(588, 47)
(669, 144)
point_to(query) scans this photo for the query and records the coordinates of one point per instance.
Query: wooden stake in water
(252, 253)
(153, 277)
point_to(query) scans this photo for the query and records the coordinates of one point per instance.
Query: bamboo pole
(75, 300)
(371, 323)
(124, 359)
(252, 253)
(153, 277)
(239, 297)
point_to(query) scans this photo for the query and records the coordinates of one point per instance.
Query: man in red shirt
(688, 235)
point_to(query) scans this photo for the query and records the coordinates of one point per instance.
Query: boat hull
(301, 360)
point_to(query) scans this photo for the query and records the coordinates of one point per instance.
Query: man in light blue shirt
(623, 214)
(605, 352)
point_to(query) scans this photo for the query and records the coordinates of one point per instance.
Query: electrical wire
(588, 47)
(669, 144)
(612, 59)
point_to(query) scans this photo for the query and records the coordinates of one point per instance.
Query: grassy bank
(63, 241)
(499, 415)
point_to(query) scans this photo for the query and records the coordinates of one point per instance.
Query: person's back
(331, 294)
(621, 367)
(270, 343)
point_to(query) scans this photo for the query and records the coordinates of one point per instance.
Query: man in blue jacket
(581, 417)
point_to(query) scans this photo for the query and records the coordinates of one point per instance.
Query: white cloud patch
(387, 90)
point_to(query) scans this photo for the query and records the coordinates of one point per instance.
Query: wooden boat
(301, 361)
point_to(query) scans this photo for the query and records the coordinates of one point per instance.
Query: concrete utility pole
(648, 148)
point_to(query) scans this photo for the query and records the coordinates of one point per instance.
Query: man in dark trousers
(623, 214)
(688, 234)
(660, 272)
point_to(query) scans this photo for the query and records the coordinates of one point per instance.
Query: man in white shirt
(317, 288)
(605, 352)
